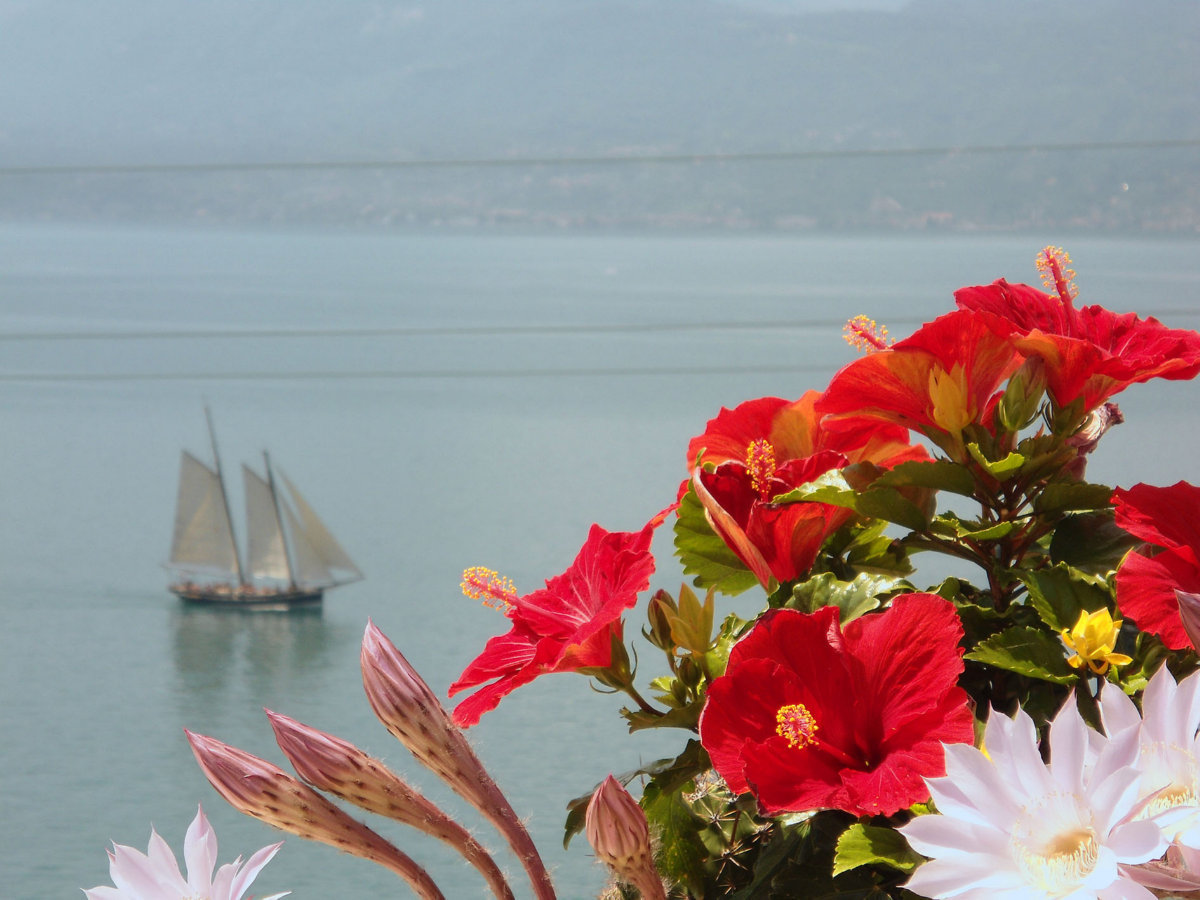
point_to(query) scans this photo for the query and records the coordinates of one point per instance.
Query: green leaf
(1091, 542)
(1060, 594)
(889, 504)
(852, 598)
(941, 475)
(829, 487)
(998, 469)
(1026, 651)
(703, 553)
(868, 845)
(680, 853)
(1072, 495)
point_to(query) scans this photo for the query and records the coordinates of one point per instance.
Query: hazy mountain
(151, 81)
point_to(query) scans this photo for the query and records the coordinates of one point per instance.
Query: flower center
(489, 587)
(1055, 846)
(760, 464)
(949, 398)
(796, 724)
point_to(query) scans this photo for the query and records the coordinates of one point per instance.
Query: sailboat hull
(228, 596)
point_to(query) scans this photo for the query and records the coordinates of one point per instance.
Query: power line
(421, 331)
(433, 331)
(559, 161)
(412, 375)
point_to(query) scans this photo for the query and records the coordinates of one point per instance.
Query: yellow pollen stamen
(1053, 265)
(760, 464)
(863, 334)
(795, 723)
(492, 589)
(1092, 641)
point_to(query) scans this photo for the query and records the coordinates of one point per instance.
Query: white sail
(266, 555)
(321, 542)
(203, 539)
(311, 570)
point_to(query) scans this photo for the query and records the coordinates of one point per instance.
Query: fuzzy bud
(616, 828)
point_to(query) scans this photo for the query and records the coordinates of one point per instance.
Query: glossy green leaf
(704, 555)
(1060, 594)
(999, 469)
(1067, 496)
(868, 845)
(852, 598)
(1026, 651)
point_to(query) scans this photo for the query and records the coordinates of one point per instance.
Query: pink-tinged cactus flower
(945, 376)
(1012, 827)
(568, 625)
(779, 723)
(411, 712)
(337, 767)
(616, 828)
(257, 788)
(1089, 352)
(1149, 583)
(1166, 731)
(155, 875)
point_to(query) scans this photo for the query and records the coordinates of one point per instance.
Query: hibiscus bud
(1022, 398)
(1189, 612)
(660, 611)
(616, 828)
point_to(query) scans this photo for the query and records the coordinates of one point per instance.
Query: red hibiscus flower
(767, 447)
(774, 540)
(945, 376)
(794, 431)
(1167, 517)
(1090, 352)
(566, 626)
(808, 716)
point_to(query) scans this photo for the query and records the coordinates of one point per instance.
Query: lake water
(455, 400)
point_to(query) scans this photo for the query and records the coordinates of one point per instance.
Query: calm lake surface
(457, 400)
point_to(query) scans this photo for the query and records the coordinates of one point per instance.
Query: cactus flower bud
(616, 828)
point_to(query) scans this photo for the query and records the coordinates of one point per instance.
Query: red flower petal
(1091, 352)
(882, 699)
(565, 626)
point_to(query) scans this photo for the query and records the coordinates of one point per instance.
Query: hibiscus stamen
(796, 725)
(863, 334)
(489, 587)
(1053, 264)
(760, 465)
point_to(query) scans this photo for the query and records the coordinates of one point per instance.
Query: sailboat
(291, 557)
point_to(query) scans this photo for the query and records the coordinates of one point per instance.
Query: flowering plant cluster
(867, 734)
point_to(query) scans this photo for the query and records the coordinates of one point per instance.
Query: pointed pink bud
(1189, 612)
(257, 788)
(336, 766)
(616, 828)
(413, 714)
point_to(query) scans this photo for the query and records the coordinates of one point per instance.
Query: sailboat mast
(283, 535)
(212, 437)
